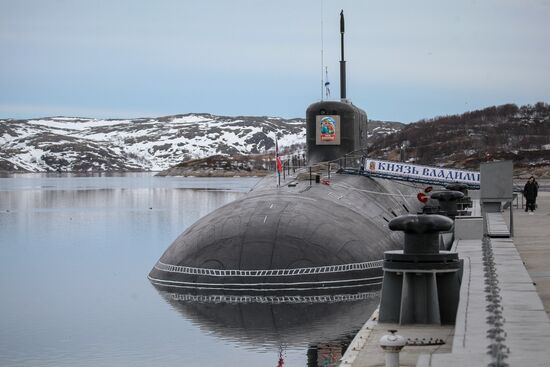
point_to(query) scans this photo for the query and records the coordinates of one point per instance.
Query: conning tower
(335, 128)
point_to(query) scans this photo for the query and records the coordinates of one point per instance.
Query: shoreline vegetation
(229, 166)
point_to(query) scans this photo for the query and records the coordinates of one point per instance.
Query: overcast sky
(407, 60)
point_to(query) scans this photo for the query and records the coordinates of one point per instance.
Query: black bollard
(421, 283)
(463, 188)
(421, 232)
(448, 201)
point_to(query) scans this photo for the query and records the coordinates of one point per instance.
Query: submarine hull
(298, 238)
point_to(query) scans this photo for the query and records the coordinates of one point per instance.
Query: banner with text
(425, 173)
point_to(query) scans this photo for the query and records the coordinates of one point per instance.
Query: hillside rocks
(520, 134)
(223, 166)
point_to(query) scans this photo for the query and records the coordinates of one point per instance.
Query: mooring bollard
(421, 283)
(392, 345)
(448, 201)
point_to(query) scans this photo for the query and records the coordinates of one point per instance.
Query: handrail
(268, 272)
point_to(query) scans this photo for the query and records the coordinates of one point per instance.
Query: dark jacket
(530, 191)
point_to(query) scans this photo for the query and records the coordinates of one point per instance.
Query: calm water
(74, 257)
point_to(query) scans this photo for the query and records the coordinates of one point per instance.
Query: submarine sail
(335, 128)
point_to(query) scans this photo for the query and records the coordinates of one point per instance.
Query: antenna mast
(322, 50)
(342, 61)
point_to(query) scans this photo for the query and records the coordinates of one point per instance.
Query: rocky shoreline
(223, 166)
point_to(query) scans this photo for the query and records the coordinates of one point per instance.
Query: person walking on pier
(530, 191)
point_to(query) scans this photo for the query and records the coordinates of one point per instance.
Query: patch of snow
(189, 119)
(77, 125)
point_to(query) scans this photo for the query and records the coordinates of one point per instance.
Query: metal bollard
(392, 345)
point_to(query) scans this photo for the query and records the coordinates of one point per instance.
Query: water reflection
(73, 264)
(322, 323)
(74, 253)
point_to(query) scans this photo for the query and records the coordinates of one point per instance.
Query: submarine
(304, 236)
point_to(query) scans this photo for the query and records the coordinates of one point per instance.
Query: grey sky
(406, 60)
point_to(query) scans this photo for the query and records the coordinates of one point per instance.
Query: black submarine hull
(309, 237)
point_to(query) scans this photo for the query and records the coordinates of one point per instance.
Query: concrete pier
(504, 305)
(532, 240)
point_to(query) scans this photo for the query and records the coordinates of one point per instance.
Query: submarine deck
(285, 238)
(521, 265)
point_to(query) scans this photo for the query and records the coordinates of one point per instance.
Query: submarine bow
(325, 237)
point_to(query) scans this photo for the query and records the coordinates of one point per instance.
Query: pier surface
(506, 323)
(532, 240)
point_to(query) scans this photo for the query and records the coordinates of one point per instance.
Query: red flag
(279, 163)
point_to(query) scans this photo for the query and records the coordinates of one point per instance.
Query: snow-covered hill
(81, 144)
(144, 144)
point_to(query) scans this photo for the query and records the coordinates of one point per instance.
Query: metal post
(522, 196)
(288, 166)
(329, 170)
(309, 176)
(511, 220)
(342, 61)
(392, 345)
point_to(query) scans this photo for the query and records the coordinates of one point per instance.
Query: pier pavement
(532, 240)
(521, 263)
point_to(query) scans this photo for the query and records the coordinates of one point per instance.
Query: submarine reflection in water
(323, 323)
